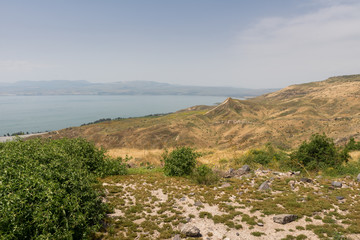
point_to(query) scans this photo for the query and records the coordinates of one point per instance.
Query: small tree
(180, 161)
(318, 153)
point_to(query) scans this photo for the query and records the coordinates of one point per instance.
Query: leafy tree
(49, 188)
(318, 153)
(180, 161)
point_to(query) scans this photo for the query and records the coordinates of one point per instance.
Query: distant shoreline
(10, 138)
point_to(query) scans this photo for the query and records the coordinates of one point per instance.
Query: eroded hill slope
(285, 118)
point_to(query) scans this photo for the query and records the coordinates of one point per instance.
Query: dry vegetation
(285, 118)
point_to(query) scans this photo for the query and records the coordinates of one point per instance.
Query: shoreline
(10, 138)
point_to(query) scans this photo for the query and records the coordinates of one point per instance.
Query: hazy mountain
(63, 87)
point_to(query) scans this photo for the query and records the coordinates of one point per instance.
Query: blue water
(47, 113)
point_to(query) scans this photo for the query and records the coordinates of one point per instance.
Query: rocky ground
(246, 204)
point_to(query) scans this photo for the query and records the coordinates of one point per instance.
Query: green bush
(352, 145)
(180, 161)
(266, 156)
(48, 188)
(204, 175)
(320, 152)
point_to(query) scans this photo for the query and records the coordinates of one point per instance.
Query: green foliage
(320, 152)
(181, 161)
(204, 175)
(350, 168)
(48, 188)
(265, 156)
(352, 145)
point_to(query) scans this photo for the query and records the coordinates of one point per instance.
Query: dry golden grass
(355, 156)
(151, 156)
(209, 156)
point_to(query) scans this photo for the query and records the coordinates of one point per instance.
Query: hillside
(285, 118)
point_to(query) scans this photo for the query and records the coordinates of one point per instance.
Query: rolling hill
(285, 118)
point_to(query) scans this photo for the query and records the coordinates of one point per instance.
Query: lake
(47, 113)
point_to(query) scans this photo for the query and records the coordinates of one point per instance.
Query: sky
(238, 43)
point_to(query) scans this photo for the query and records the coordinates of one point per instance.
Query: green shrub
(266, 156)
(204, 175)
(180, 161)
(320, 152)
(352, 145)
(49, 189)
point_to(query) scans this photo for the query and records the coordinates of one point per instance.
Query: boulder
(177, 237)
(336, 184)
(225, 185)
(306, 180)
(246, 168)
(229, 173)
(284, 218)
(190, 230)
(264, 186)
(236, 173)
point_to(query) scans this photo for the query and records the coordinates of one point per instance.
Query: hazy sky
(242, 43)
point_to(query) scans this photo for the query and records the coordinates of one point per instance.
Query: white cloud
(304, 48)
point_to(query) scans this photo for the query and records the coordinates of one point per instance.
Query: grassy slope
(285, 118)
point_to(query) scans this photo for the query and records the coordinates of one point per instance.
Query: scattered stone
(284, 218)
(306, 180)
(191, 194)
(236, 173)
(340, 198)
(190, 230)
(198, 204)
(237, 234)
(225, 185)
(292, 184)
(229, 173)
(336, 184)
(358, 177)
(260, 224)
(188, 219)
(318, 177)
(297, 173)
(183, 199)
(177, 237)
(131, 165)
(246, 168)
(240, 172)
(264, 186)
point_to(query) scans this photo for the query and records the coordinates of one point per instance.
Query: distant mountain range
(65, 87)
